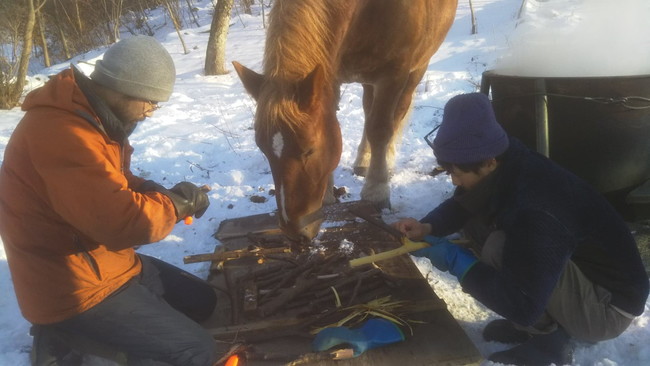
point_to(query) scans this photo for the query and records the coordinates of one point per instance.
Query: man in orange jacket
(71, 213)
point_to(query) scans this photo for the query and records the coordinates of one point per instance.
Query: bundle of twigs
(312, 284)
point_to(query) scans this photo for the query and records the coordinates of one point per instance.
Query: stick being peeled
(407, 244)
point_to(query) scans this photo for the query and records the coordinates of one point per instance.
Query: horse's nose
(309, 228)
(305, 227)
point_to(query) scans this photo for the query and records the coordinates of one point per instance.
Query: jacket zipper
(89, 258)
(122, 153)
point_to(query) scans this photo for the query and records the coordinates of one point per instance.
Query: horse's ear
(309, 88)
(252, 81)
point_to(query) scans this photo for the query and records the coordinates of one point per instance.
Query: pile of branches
(310, 286)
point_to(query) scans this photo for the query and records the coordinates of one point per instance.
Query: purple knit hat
(469, 132)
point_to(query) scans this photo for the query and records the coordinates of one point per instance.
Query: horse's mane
(279, 109)
(299, 38)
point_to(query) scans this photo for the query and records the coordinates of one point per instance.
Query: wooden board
(282, 333)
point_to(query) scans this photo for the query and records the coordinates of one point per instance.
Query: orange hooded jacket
(69, 215)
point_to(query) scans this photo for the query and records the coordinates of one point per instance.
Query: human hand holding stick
(188, 220)
(408, 245)
(188, 199)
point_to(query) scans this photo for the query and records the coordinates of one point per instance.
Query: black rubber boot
(54, 347)
(49, 349)
(541, 350)
(504, 331)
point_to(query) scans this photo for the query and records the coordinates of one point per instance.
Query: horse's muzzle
(304, 229)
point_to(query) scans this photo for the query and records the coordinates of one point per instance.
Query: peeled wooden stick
(234, 254)
(407, 247)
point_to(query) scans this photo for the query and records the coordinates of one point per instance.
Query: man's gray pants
(578, 305)
(153, 318)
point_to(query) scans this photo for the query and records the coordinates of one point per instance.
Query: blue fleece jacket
(549, 216)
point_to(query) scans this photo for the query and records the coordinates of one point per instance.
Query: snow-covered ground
(204, 135)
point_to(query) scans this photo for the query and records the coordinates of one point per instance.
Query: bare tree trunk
(43, 39)
(79, 22)
(117, 16)
(191, 8)
(141, 20)
(15, 90)
(246, 5)
(471, 9)
(62, 36)
(112, 13)
(215, 56)
(26, 53)
(522, 9)
(173, 15)
(64, 43)
(12, 17)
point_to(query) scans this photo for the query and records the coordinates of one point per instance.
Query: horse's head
(296, 128)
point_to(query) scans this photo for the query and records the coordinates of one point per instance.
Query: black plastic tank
(596, 127)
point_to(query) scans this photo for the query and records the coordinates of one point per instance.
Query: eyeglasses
(149, 106)
(429, 136)
(153, 106)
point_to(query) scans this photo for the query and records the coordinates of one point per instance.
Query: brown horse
(312, 46)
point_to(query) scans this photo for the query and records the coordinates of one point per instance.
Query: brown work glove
(188, 199)
(150, 186)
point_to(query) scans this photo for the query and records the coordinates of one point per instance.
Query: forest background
(40, 33)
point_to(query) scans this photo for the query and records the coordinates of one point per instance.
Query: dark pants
(580, 306)
(153, 318)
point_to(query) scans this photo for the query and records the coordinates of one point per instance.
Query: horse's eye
(307, 153)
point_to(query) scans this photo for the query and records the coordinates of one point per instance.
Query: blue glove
(375, 332)
(447, 256)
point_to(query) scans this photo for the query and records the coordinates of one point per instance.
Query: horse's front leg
(329, 197)
(384, 123)
(379, 130)
(362, 161)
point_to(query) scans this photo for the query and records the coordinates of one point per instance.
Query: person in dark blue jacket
(550, 254)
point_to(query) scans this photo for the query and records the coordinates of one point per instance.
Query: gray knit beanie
(469, 132)
(139, 67)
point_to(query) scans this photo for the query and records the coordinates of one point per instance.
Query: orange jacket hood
(69, 214)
